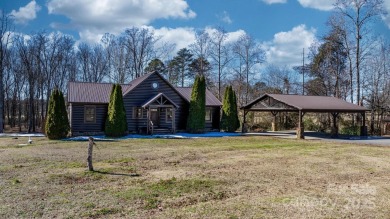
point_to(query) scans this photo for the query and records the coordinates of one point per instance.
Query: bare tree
(248, 53)
(220, 53)
(359, 13)
(27, 51)
(5, 40)
(280, 79)
(376, 84)
(201, 51)
(140, 44)
(119, 60)
(94, 63)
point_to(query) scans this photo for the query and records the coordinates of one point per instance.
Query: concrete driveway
(370, 140)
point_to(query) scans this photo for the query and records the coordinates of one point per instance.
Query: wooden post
(363, 128)
(243, 128)
(90, 149)
(148, 120)
(173, 120)
(274, 126)
(300, 129)
(335, 129)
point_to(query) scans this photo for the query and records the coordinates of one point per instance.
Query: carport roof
(283, 102)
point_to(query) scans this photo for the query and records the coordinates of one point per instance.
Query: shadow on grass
(116, 174)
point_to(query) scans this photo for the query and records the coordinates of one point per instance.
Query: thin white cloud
(224, 17)
(323, 5)
(26, 13)
(386, 17)
(234, 36)
(182, 36)
(286, 47)
(269, 2)
(93, 17)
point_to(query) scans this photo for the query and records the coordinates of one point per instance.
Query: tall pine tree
(57, 123)
(229, 120)
(197, 112)
(116, 123)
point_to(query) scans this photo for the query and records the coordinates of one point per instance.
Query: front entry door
(155, 116)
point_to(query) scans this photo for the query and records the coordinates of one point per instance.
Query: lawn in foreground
(235, 177)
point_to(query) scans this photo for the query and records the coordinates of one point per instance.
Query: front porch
(160, 115)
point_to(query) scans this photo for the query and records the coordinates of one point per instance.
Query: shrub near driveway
(235, 177)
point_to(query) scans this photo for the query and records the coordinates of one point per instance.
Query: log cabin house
(152, 105)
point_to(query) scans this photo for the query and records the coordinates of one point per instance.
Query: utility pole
(303, 71)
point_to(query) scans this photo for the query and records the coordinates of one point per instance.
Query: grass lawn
(235, 177)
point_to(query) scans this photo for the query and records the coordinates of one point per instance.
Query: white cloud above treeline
(285, 49)
(323, 5)
(224, 17)
(26, 13)
(274, 1)
(386, 17)
(91, 17)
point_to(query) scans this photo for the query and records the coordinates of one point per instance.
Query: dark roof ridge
(301, 95)
(86, 82)
(311, 103)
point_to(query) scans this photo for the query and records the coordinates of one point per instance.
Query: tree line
(348, 62)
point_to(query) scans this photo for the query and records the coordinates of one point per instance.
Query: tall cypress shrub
(116, 123)
(229, 118)
(197, 112)
(57, 123)
(236, 123)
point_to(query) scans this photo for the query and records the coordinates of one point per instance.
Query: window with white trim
(137, 113)
(208, 114)
(90, 114)
(169, 114)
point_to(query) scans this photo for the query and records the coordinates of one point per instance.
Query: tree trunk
(90, 149)
(1, 102)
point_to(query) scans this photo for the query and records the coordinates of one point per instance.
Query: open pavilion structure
(275, 103)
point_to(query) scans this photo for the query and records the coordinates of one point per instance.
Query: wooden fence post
(90, 149)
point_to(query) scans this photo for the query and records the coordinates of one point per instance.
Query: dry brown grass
(241, 177)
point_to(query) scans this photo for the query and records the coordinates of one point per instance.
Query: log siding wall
(144, 92)
(79, 126)
(136, 98)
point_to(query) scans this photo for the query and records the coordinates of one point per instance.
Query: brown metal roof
(85, 92)
(304, 103)
(134, 83)
(211, 100)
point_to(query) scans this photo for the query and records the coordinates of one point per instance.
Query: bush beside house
(229, 120)
(116, 123)
(57, 123)
(197, 112)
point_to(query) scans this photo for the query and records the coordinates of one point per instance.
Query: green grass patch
(154, 194)
(120, 160)
(15, 181)
(101, 212)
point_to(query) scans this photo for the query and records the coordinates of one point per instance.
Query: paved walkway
(372, 140)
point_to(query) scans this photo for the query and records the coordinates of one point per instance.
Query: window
(208, 115)
(137, 113)
(169, 114)
(90, 114)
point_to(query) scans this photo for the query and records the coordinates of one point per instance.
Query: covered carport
(275, 103)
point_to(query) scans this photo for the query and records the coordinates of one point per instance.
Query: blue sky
(283, 27)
